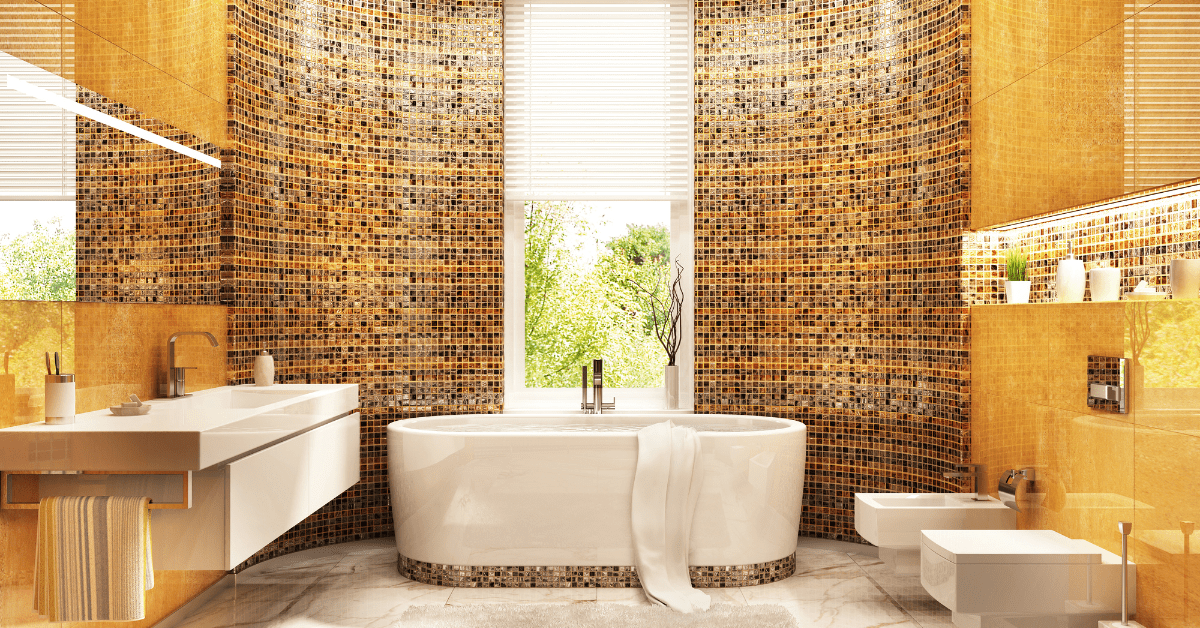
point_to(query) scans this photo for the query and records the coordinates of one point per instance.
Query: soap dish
(130, 410)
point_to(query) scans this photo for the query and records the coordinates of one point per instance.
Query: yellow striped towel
(93, 558)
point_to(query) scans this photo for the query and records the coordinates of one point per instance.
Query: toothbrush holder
(60, 399)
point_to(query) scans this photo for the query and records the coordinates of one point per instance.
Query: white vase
(671, 386)
(264, 369)
(1071, 280)
(1106, 284)
(1185, 278)
(1016, 291)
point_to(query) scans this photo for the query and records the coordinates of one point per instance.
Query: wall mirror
(1080, 101)
(110, 126)
(100, 102)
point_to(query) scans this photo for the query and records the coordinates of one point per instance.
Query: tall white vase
(1185, 278)
(1071, 280)
(671, 386)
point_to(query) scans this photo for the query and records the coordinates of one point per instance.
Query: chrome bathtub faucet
(176, 376)
(977, 471)
(598, 406)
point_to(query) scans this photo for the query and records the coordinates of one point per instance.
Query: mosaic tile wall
(1141, 239)
(362, 216)
(147, 218)
(832, 187)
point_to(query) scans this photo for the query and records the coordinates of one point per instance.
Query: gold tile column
(831, 195)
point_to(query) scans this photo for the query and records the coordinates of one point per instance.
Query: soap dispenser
(1071, 279)
(264, 369)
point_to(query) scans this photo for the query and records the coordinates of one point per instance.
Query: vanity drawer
(276, 488)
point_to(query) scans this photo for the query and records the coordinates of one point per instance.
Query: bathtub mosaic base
(588, 576)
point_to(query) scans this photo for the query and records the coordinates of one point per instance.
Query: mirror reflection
(1072, 103)
(37, 188)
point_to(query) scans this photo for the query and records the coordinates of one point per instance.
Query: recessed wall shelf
(23, 490)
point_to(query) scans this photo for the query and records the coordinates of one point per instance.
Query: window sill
(629, 400)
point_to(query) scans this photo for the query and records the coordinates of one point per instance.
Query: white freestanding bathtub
(544, 500)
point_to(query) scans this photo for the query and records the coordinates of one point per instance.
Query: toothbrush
(57, 371)
(48, 371)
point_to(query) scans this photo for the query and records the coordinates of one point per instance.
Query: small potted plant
(1016, 288)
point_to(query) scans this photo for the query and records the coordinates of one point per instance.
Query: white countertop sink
(895, 520)
(210, 427)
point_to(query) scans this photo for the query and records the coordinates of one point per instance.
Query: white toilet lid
(1009, 546)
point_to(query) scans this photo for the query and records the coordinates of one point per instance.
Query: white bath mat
(592, 615)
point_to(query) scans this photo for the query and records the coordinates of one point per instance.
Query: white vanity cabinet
(276, 488)
(240, 507)
(254, 461)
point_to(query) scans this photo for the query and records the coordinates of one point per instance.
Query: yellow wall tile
(114, 350)
(1096, 468)
(1167, 485)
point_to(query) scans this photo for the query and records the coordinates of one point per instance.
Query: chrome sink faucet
(598, 406)
(176, 375)
(977, 471)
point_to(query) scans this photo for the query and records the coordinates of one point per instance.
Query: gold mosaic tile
(831, 193)
(362, 217)
(147, 218)
(587, 576)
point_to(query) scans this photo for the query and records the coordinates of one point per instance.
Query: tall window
(598, 169)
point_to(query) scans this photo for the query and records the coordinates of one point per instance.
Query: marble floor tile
(908, 593)
(628, 597)
(363, 603)
(831, 600)
(463, 596)
(810, 562)
(729, 595)
(356, 585)
(637, 597)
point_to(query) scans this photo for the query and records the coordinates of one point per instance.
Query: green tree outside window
(574, 313)
(38, 265)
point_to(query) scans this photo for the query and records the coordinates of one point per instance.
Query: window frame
(518, 397)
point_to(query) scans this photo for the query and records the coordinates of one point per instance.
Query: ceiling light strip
(1093, 211)
(104, 118)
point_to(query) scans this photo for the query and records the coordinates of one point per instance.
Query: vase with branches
(665, 304)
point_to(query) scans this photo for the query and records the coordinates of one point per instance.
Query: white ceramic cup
(1185, 278)
(1106, 284)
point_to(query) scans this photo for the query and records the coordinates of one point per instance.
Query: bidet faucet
(176, 380)
(977, 471)
(598, 406)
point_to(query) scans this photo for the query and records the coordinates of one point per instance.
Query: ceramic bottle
(1071, 279)
(264, 369)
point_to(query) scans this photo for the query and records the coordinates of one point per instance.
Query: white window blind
(37, 139)
(597, 100)
(1162, 95)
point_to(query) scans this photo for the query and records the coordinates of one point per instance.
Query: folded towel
(666, 487)
(93, 558)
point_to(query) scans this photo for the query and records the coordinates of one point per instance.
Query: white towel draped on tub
(93, 558)
(666, 487)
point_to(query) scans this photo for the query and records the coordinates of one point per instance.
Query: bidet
(977, 471)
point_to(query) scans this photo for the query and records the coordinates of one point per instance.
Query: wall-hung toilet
(1022, 578)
